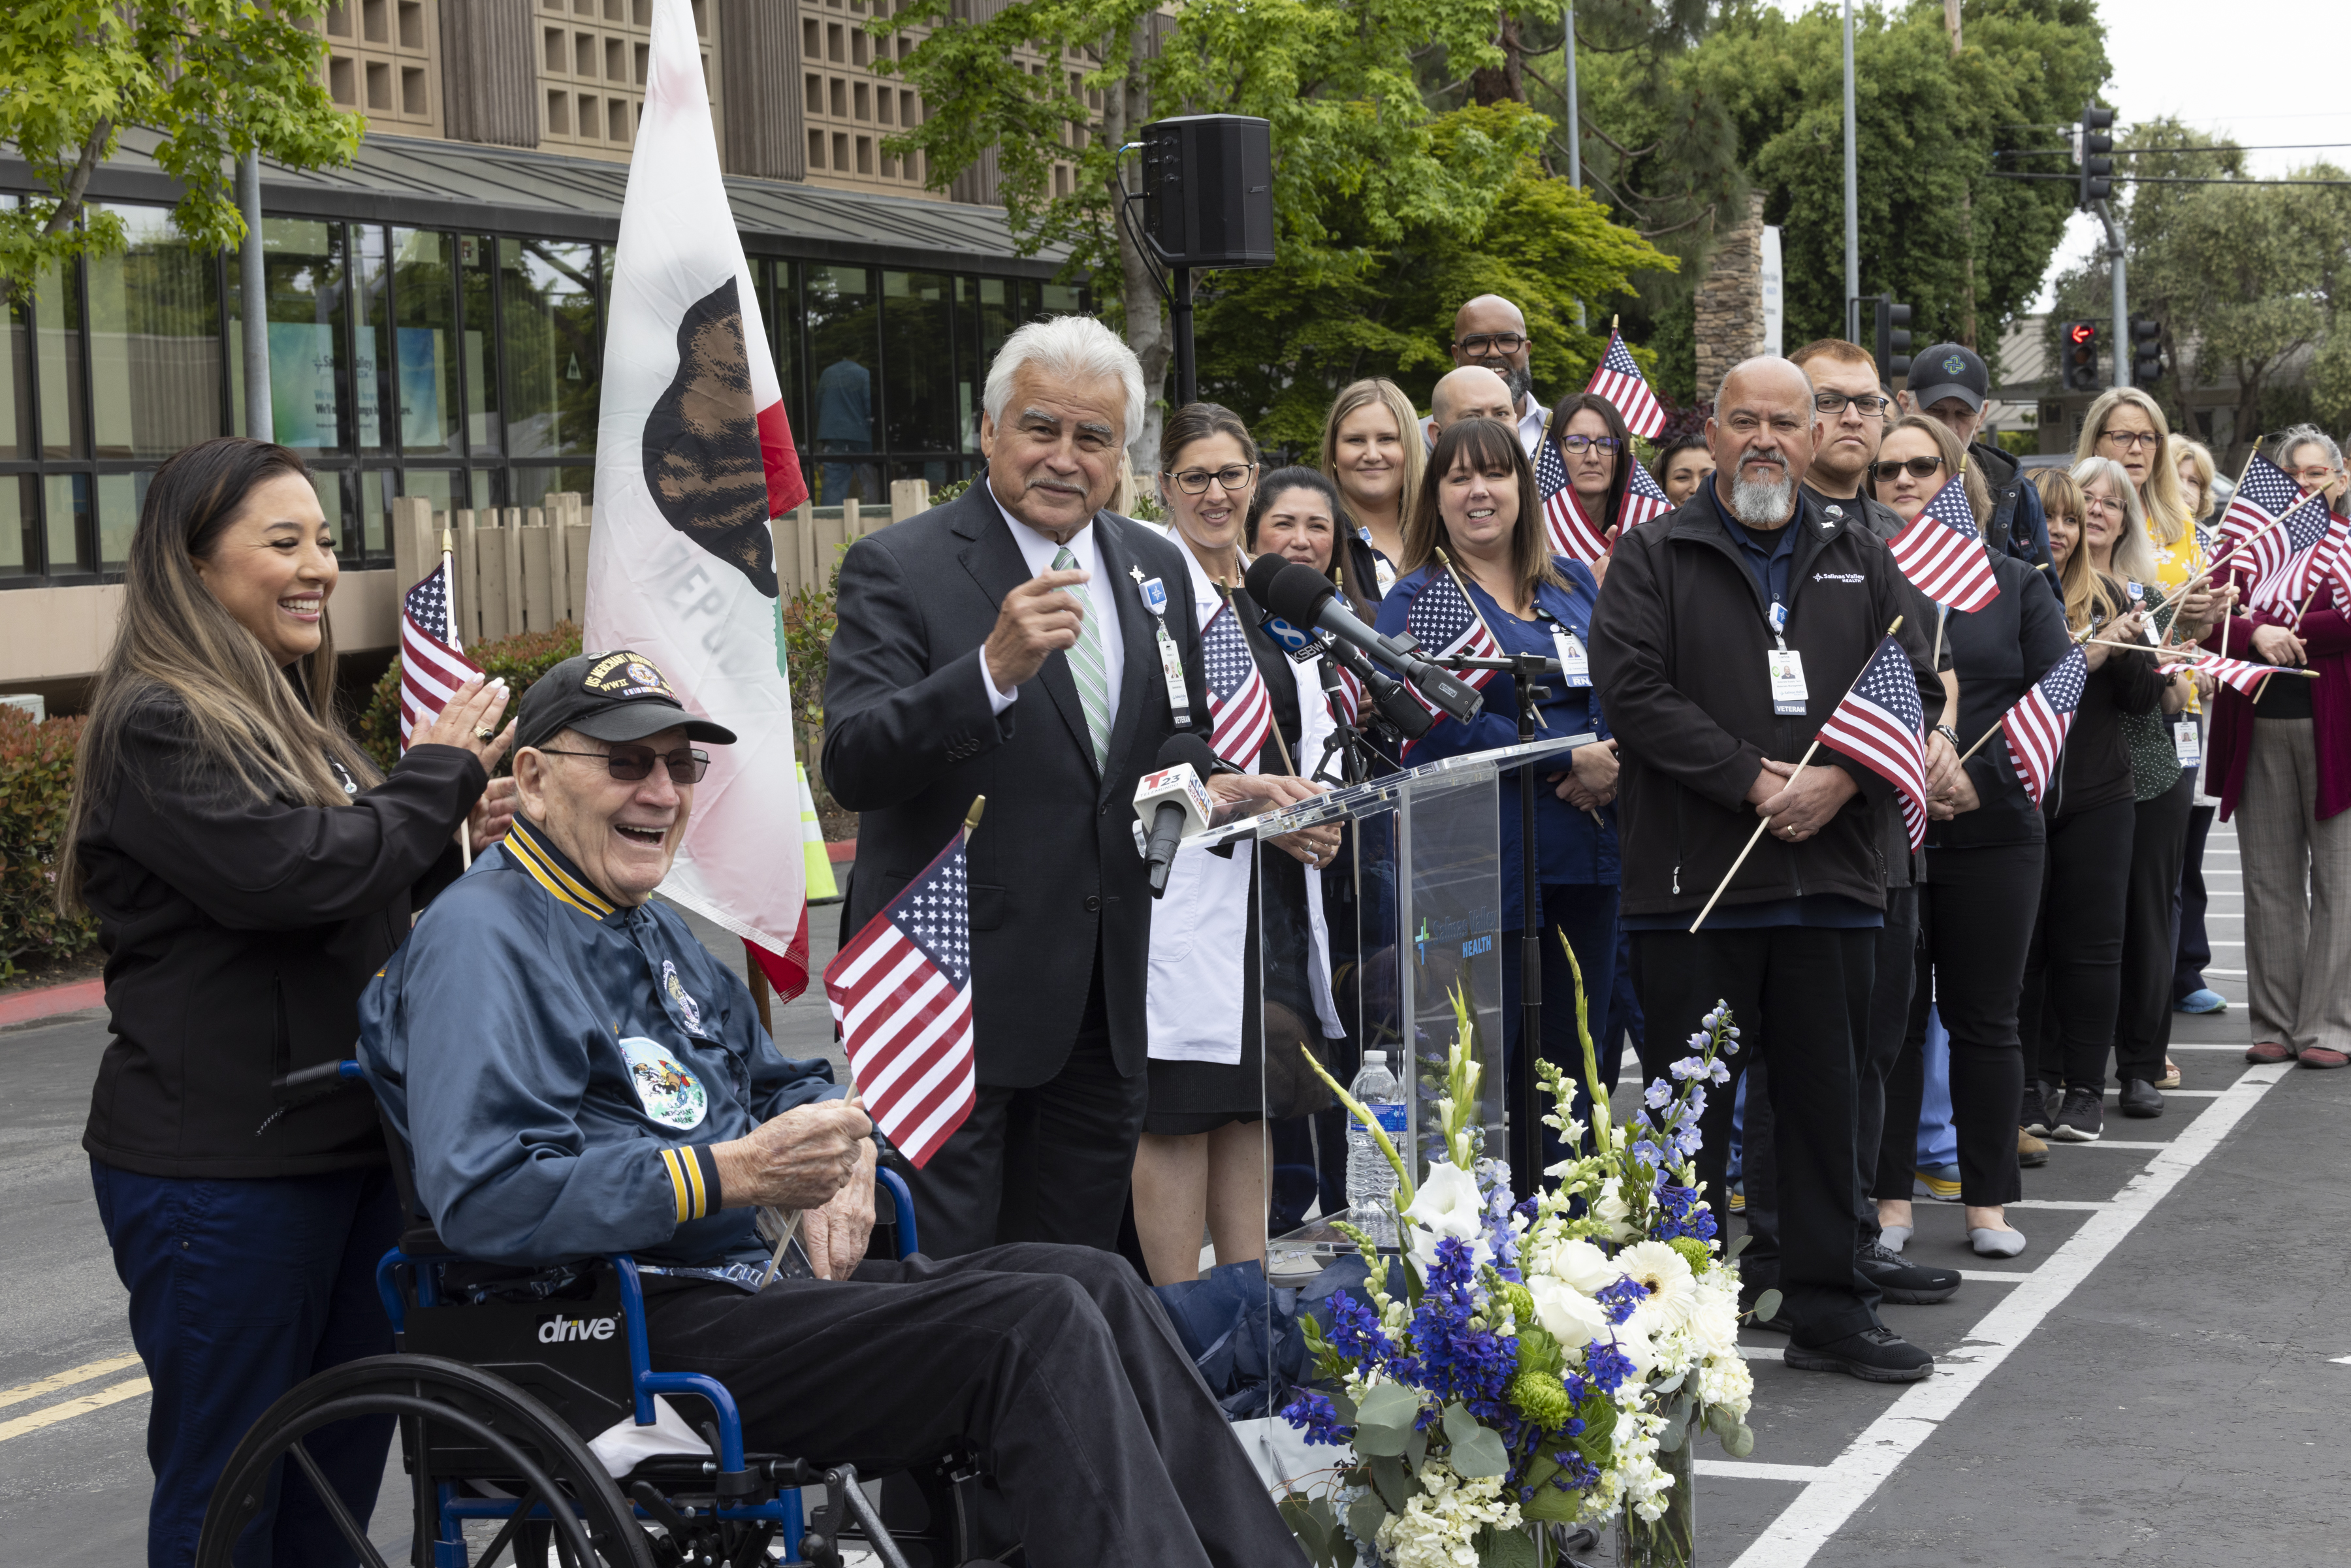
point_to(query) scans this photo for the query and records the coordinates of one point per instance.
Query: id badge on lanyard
(1785, 667)
(1574, 663)
(1171, 669)
(2186, 742)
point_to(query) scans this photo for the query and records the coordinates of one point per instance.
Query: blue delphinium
(1314, 1415)
(1606, 1367)
(1620, 1298)
(1473, 1364)
(1684, 1215)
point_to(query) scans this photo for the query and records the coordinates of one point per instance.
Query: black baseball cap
(615, 696)
(1948, 369)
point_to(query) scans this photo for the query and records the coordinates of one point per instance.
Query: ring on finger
(485, 735)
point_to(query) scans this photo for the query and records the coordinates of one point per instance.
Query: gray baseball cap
(1948, 369)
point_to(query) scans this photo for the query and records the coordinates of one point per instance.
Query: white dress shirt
(1531, 415)
(1038, 552)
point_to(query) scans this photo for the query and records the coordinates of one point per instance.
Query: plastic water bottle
(1371, 1180)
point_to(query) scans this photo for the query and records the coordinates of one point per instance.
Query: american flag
(2036, 726)
(1645, 499)
(1570, 532)
(2299, 574)
(2264, 494)
(1240, 711)
(430, 667)
(1882, 724)
(902, 995)
(2241, 675)
(1941, 553)
(1445, 623)
(1619, 379)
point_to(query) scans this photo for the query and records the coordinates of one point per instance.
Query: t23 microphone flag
(694, 456)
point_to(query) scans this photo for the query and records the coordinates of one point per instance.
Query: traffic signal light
(2147, 350)
(2078, 351)
(1893, 339)
(2092, 145)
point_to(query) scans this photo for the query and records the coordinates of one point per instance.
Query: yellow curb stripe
(65, 1379)
(131, 1388)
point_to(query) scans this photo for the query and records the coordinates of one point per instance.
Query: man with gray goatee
(1726, 634)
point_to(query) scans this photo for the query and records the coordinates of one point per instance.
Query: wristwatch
(1947, 733)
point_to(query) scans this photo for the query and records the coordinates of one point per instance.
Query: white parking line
(1754, 1470)
(2055, 1203)
(1998, 1276)
(2109, 1144)
(1823, 1506)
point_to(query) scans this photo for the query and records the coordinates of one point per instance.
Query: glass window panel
(375, 515)
(305, 278)
(477, 268)
(916, 310)
(435, 484)
(841, 324)
(373, 340)
(1030, 309)
(480, 490)
(57, 318)
(155, 342)
(784, 328)
(1063, 299)
(119, 496)
(989, 312)
(329, 482)
(20, 537)
(547, 290)
(67, 509)
(531, 486)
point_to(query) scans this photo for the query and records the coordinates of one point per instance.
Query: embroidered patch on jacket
(687, 1005)
(671, 1096)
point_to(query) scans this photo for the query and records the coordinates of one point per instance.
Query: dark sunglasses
(1920, 469)
(631, 764)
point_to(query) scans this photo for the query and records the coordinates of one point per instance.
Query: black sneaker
(2140, 1099)
(1874, 1355)
(2038, 1113)
(2082, 1118)
(1902, 1282)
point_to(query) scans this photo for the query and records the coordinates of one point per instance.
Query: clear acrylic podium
(1415, 907)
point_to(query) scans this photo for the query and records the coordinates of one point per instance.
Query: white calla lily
(1447, 1204)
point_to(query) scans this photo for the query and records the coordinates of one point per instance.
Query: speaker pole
(1188, 381)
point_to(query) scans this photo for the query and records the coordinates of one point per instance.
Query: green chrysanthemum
(1541, 1400)
(1695, 1251)
(1520, 1300)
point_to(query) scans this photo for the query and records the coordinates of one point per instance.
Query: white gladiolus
(1447, 1204)
(1611, 1209)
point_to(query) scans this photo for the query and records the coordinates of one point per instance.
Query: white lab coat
(1199, 929)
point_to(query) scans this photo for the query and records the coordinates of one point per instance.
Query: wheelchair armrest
(902, 1207)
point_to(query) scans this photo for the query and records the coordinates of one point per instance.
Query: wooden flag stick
(449, 576)
(1801, 763)
(1942, 614)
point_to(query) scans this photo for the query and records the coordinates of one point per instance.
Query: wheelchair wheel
(588, 1523)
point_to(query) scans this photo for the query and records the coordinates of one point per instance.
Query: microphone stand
(1524, 670)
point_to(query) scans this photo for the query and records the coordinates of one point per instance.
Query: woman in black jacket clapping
(250, 872)
(2072, 981)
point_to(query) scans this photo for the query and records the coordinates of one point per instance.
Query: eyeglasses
(1195, 481)
(2102, 506)
(631, 764)
(1835, 401)
(2319, 475)
(2131, 440)
(1919, 468)
(1485, 344)
(1589, 443)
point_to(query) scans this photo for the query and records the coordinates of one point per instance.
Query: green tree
(198, 81)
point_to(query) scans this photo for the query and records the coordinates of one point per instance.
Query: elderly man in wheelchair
(595, 1119)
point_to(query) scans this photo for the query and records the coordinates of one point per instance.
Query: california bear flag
(692, 457)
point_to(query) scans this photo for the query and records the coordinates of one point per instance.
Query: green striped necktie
(1087, 664)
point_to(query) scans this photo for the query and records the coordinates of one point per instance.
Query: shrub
(36, 769)
(521, 659)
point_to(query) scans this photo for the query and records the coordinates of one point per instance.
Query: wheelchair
(497, 1398)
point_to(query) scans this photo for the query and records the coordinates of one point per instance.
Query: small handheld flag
(901, 993)
(1882, 724)
(1618, 379)
(2037, 725)
(1240, 711)
(2308, 545)
(1442, 619)
(432, 667)
(1567, 530)
(2262, 495)
(1644, 498)
(1941, 553)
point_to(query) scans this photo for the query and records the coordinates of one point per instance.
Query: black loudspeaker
(1207, 189)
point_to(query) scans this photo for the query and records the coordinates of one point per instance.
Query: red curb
(51, 1000)
(844, 850)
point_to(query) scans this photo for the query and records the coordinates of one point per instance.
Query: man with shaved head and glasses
(1730, 630)
(1490, 333)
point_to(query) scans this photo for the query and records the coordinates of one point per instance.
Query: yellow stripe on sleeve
(678, 1188)
(692, 1164)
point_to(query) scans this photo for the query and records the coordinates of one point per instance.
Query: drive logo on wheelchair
(557, 1331)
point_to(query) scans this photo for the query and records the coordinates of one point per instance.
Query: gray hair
(1070, 347)
(2301, 435)
(2134, 559)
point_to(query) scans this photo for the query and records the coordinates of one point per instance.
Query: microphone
(1397, 706)
(1174, 802)
(1299, 594)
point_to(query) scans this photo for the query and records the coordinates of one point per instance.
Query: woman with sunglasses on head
(2127, 426)
(250, 871)
(1478, 507)
(1982, 887)
(1372, 451)
(1225, 986)
(2073, 978)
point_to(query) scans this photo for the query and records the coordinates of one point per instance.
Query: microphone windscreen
(1182, 748)
(1258, 578)
(1294, 590)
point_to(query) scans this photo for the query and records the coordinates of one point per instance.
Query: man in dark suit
(1014, 644)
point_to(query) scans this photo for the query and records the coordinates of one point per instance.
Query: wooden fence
(525, 568)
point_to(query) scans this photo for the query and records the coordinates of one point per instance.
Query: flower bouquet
(1547, 1362)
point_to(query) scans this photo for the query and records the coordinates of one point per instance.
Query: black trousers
(1049, 1163)
(2073, 973)
(2158, 845)
(1057, 1363)
(1800, 995)
(2192, 947)
(1881, 1049)
(1975, 924)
